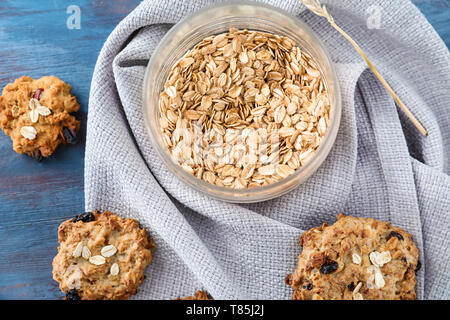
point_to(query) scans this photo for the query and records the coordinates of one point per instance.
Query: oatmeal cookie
(101, 256)
(36, 114)
(355, 258)
(199, 295)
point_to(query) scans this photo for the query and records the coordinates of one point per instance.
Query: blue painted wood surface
(36, 197)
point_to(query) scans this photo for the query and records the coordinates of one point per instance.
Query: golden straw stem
(402, 106)
(318, 9)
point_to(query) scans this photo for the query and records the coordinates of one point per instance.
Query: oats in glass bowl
(244, 109)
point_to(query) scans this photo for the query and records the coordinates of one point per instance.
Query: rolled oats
(356, 294)
(86, 253)
(77, 251)
(244, 109)
(28, 132)
(379, 280)
(383, 258)
(97, 260)
(380, 258)
(114, 269)
(356, 258)
(108, 251)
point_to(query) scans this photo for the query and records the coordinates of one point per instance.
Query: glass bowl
(219, 19)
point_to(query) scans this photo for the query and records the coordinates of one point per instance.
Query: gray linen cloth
(380, 166)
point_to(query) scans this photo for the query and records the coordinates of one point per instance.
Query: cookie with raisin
(37, 115)
(355, 259)
(199, 295)
(101, 256)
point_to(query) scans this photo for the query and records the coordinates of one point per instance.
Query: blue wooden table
(40, 38)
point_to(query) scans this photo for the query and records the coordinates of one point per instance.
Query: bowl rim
(248, 195)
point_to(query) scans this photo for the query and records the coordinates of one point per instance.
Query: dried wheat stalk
(321, 10)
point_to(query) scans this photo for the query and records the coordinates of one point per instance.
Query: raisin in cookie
(355, 258)
(199, 295)
(101, 256)
(36, 114)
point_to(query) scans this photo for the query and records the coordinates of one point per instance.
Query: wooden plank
(438, 14)
(36, 197)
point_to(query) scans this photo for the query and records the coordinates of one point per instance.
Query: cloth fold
(379, 167)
